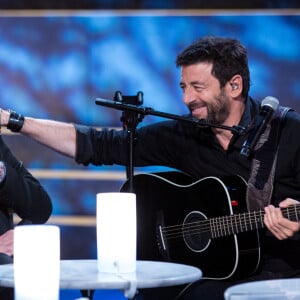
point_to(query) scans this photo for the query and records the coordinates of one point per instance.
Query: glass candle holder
(116, 232)
(36, 262)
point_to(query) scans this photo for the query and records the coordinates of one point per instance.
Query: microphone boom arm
(149, 111)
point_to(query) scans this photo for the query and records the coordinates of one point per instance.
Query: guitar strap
(260, 183)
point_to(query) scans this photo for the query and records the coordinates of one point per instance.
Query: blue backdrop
(55, 66)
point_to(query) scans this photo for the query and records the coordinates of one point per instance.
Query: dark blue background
(55, 64)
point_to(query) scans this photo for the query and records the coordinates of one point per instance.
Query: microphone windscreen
(270, 101)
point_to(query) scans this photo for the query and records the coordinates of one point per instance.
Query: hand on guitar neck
(281, 226)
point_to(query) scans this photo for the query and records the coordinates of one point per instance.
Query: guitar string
(218, 230)
(197, 227)
(230, 222)
(241, 218)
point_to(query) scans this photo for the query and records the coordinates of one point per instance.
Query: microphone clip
(130, 119)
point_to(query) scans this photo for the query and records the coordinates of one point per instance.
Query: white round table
(84, 275)
(276, 289)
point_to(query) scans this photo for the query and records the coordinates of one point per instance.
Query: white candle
(36, 262)
(116, 232)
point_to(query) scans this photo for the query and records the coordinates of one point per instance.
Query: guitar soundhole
(195, 231)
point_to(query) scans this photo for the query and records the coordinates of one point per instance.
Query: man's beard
(218, 111)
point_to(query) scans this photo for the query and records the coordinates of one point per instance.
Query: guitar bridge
(161, 241)
(163, 245)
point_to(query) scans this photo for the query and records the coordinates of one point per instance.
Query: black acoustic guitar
(202, 223)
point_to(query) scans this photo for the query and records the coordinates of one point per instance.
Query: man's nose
(188, 96)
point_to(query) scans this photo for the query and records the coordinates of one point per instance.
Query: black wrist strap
(15, 121)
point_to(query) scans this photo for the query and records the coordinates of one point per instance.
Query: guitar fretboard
(228, 225)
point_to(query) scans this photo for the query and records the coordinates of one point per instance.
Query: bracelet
(15, 121)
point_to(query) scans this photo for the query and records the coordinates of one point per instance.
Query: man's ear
(236, 84)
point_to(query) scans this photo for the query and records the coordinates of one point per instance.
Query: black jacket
(20, 193)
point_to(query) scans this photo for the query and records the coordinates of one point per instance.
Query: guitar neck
(233, 224)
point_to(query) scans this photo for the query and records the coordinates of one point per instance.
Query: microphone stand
(133, 113)
(130, 120)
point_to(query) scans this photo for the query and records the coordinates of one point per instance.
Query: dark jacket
(20, 193)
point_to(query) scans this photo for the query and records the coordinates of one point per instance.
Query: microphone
(268, 106)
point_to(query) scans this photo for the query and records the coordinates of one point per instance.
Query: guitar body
(167, 203)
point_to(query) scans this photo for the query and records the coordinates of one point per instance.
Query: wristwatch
(2, 171)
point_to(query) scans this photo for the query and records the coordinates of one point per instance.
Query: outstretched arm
(59, 136)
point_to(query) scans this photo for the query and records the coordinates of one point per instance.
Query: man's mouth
(197, 109)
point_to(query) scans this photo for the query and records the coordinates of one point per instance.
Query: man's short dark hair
(228, 57)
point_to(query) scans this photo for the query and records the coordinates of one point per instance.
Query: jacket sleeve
(21, 192)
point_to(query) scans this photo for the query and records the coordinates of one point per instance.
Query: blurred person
(22, 194)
